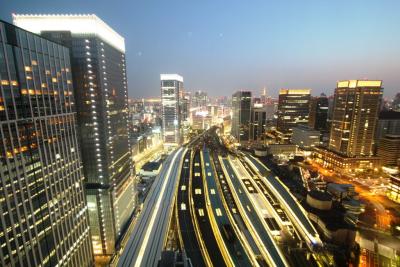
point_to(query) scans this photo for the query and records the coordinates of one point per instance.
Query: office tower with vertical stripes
(99, 77)
(171, 91)
(43, 213)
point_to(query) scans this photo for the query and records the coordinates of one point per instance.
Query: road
(148, 237)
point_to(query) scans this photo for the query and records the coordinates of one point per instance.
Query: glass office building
(99, 78)
(241, 115)
(171, 91)
(43, 216)
(293, 109)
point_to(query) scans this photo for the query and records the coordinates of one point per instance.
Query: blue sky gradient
(222, 46)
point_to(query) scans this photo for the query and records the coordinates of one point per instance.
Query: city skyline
(269, 45)
(199, 134)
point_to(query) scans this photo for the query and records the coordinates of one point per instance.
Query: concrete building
(389, 150)
(171, 87)
(99, 77)
(305, 137)
(44, 219)
(329, 219)
(288, 150)
(241, 115)
(293, 109)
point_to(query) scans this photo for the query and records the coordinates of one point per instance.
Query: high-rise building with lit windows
(354, 118)
(293, 109)
(43, 214)
(98, 68)
(318, 118)
(355, 114)
(241, 115)
(171, 92)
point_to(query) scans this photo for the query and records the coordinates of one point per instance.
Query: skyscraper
(43, 216)
(200, 99)
(355, 114)
(171, 87)
(293, 109)
(319, 113)
(241, 115)
(258, 122)
(98, 65)
(354, 118)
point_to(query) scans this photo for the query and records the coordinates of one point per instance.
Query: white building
(171, 90)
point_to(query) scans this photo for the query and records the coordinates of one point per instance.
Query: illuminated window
(28, 68)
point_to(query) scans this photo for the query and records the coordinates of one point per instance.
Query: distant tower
(171, 88)
(264, 96)
(319, 113)
(241, 109)
(293, 109)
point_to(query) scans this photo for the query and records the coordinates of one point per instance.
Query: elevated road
(150, 231)
(294, 210)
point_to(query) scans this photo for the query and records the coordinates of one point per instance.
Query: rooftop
(323, 196)
(75, 23)
(359, 83)
(168, 77)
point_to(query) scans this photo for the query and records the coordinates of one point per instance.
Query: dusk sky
(222, 46)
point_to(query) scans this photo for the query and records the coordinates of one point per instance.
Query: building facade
(99, 77)
(43, 219)
(355, 113)
(389, 150)
(293, 109)
(388, 123)
(318, 118)
(199, 99)
(354, 118)
(241, 115)
(258, 123)
(171, 88)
